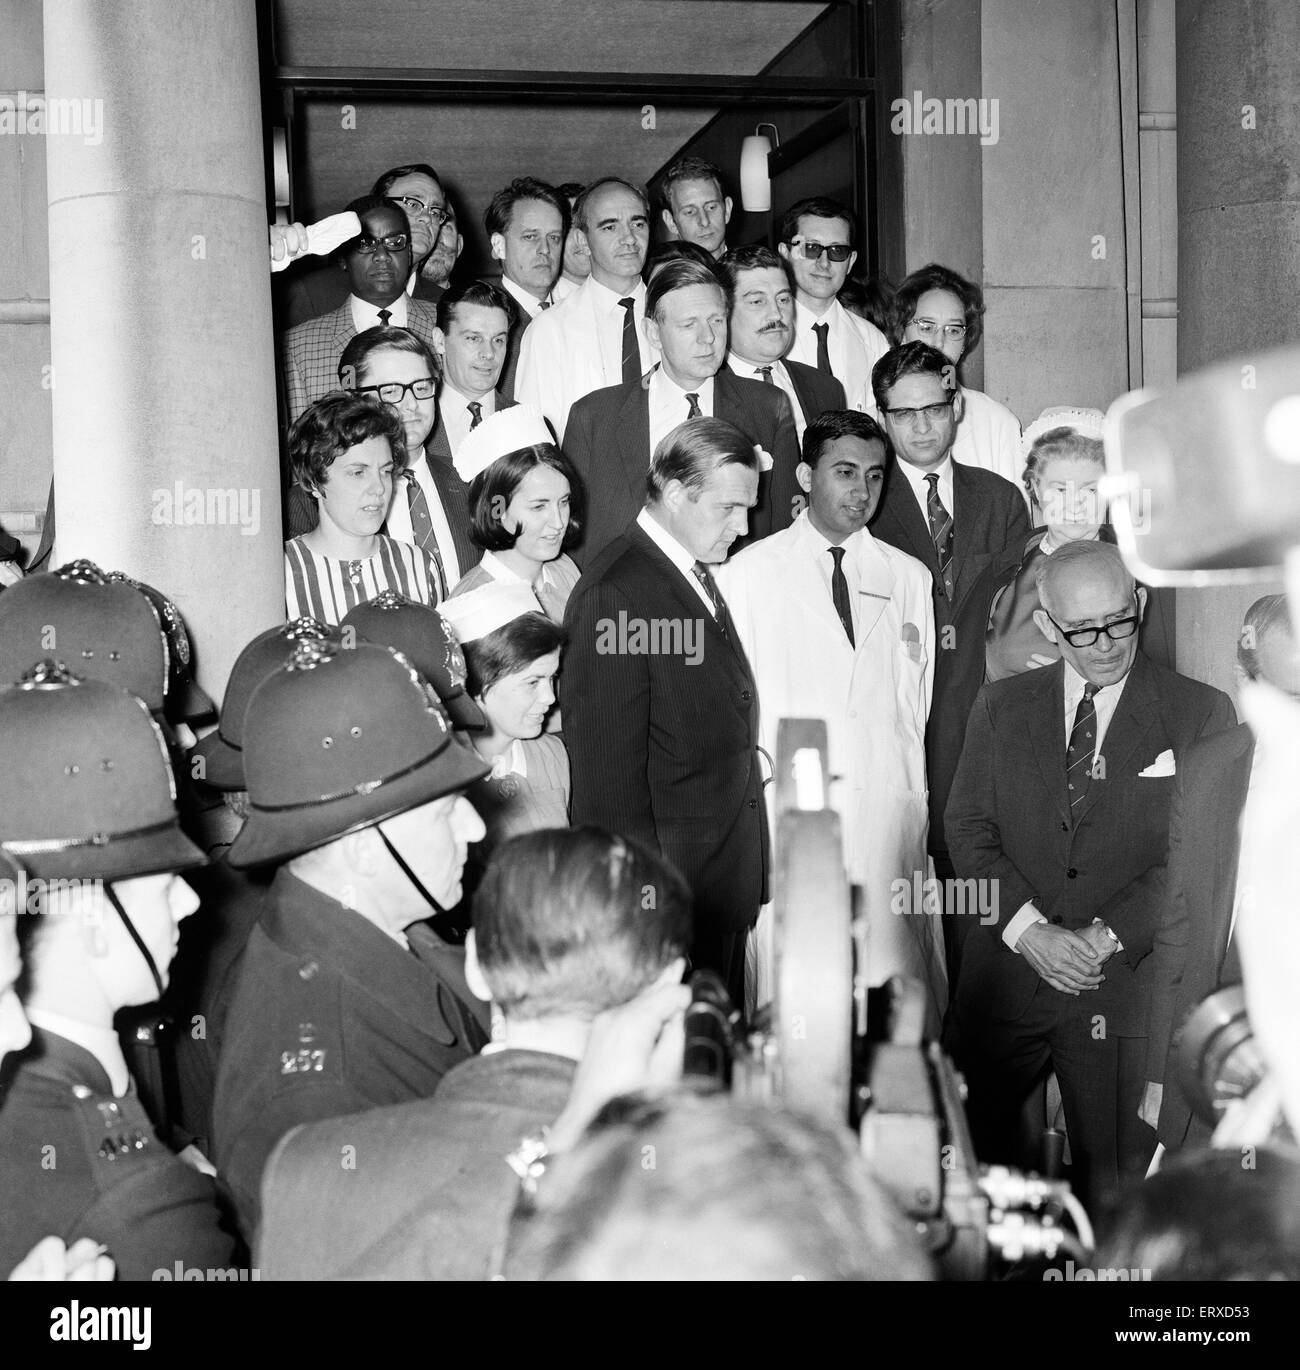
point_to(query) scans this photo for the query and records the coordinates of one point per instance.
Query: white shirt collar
(498, 570)
(530, 304)
(920, 487)
(101, 1042)
(366, 315)
(450, 397)
(512, 762)
(605, 299)
(666, 543)
(742, 366)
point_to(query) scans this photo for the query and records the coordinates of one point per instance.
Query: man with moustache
(663, 745)
(694, 206)
(526, 225)
(594, 338)
(613, 431)
(825, 591)
(377, 264)
(1061, 806)
(762, 329)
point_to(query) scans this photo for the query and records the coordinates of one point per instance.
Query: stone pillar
(165, 445)
(1238, 232)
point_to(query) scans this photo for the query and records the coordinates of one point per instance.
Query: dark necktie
(475, 414)
(545, 304)
(384, 316)
(823, 349)
(940, 531)
(694, 411)
(1078, 755)
(422, 529)
(764, 373)
(840, 593)
(631, 352)
(705, 577)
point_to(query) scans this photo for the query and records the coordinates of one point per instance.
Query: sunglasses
(835, 252)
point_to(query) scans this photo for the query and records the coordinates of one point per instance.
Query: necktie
(422, 529)
(546, 304)
(631, 352)
(823, 350)
(384, 316)
(764, 373)
(1078, 755)
(940, 531)
(694, 411)
(475, 414)
(840, 593)
(705, 577)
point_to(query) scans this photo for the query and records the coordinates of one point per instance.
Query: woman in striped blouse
(346, 452)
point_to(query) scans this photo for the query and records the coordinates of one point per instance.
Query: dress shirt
(101, 1042)
(454, 415)
(1104, 702)
(669, 405)
(563, 288)
(921, 489)
(855, 346)
(817, 547)
(530, 304)
(399, 517)
(677, 554)
(366, 315)
(753, 371)
(513, 761)
(609, 328)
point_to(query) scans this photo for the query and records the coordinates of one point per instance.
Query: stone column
(165, 445)
(1238, 231)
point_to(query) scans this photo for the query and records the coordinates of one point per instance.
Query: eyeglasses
(835, 252)
(927, 328)
(933, 412)
(394, 392)
(395, 242)
(1085, 637)
(436, 213)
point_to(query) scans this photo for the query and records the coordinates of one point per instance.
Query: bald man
(1060, 813)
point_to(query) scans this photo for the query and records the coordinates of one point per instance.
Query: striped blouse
(327, 588)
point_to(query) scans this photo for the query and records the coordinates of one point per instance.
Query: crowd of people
(564, 547)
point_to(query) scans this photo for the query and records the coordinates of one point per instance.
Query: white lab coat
(875, 699)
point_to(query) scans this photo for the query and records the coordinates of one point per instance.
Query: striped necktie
(705, 577)
(1078, 755)
(764, 373)
(422, 529)
(631, 350)
(694, 411)
(940, 531)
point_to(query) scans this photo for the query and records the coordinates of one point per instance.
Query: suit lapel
(634, 441)
(344, 328)
(970, 517)
(900, 511)
(1130, 723)
(1047, 731)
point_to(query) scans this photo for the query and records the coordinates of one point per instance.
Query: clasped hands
(1068, 961)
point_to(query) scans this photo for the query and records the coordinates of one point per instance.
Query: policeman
(89, 809)
(353, 778)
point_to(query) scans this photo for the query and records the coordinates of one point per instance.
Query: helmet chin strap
(136, 938)
(410, 874)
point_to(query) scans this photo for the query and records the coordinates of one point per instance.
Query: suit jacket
(608, 441)
(1187, 961)
(310, 352)
(519, 321)
(1009, 824)
(329, 1015)
(817, 392)
(663, 743)
(989, 517)
(110, 1178)
(430, 1194)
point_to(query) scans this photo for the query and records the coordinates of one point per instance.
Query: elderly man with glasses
(377, 266)
(435, 240)
(1060, 814)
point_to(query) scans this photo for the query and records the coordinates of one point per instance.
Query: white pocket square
(1164, 764)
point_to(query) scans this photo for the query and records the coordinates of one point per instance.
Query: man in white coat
(840, 626)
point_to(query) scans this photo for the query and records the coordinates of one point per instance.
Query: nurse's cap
(483, 611)
(506, 431)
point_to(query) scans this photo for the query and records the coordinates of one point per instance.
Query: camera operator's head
(689, 1186)
(569, 922)
(1215, 1215)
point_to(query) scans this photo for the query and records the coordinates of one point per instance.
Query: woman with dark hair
(524, 507)
(937, 306)
(512, 655)
(345, 451)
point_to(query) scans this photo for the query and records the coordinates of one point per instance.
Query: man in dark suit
(660, 713)
(562, 933)
(955, 519)
(1060, 814)
(1195, 952)
(762, 329)
(378, 264)
(526, 224)
(613, 432)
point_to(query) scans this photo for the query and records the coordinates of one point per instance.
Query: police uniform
(77, 1162)
(330, 1015)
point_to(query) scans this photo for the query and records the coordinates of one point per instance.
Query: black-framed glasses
(436, 214)
(1085, 637)
(933, 412)
(394, 242)
(394, 392)
(835, 252)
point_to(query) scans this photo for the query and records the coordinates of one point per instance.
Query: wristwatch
(1110, 932)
